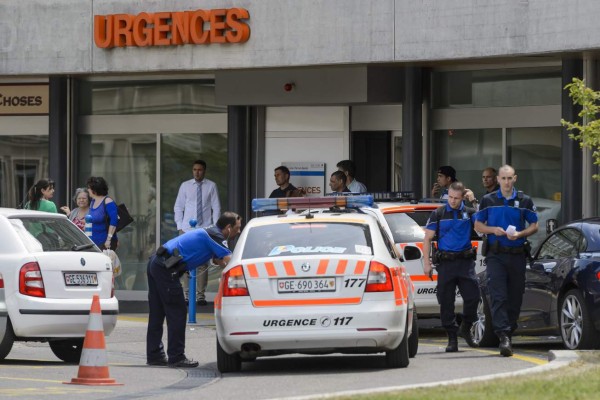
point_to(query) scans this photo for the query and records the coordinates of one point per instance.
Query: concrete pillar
(412, 139)
(59, 131)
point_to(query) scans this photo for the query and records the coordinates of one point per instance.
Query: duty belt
(496, 248)
(465, 254)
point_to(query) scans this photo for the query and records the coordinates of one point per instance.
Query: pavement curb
(557, 359)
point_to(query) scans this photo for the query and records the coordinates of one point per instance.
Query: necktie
(199, 203)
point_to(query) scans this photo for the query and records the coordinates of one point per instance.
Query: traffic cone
(93, 366)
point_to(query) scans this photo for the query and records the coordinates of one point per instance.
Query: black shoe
(201, 302)
(465, 332)
(185, 363)
(161, 362)
(505, 346)
(452, 343)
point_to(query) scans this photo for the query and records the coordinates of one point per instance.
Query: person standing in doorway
(197, 199)
(285, 188)
(337, 183)
(349, 168)
(507, 217)
(445, 176)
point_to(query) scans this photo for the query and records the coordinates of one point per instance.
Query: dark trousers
(452, 274)
(506, 285)
(165, 300)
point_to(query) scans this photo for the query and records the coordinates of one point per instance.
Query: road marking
(533, 360)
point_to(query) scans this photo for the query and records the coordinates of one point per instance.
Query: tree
(586, 133)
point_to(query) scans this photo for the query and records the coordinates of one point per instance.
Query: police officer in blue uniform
(165, 293)
(455, 260)
(503, 216)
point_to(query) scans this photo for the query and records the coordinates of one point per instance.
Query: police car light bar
(287, 203)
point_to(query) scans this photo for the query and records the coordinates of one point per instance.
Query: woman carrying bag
(104, 214)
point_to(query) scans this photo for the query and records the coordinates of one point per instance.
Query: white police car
(49, 272)
(314, 283)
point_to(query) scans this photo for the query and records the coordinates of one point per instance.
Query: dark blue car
(562, 290)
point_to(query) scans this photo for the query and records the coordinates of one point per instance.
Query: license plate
(298, 285)
(81, 279)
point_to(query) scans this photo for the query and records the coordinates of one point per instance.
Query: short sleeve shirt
(455, 227)
(197, 248)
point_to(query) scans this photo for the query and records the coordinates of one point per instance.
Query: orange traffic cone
(93, 366)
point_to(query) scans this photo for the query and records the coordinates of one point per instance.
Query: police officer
(502, 217)
(455, 261)
(165, 293)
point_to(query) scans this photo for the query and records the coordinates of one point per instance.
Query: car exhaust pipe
(250, 349)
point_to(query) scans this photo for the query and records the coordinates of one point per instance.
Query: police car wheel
(413, 340)
(576, 327)
(227, 362)
(482, 330)
(7, 341)
(398, 358)
(67, 350)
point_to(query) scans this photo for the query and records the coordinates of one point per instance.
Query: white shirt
(357, 187)
(185, 204)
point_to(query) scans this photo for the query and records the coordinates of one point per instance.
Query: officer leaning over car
(165, 293)
(502, 217)
(455, 261)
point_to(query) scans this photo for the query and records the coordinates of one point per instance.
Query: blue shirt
(495, 210)
(455, 227)
(99, 225)
(197, 248)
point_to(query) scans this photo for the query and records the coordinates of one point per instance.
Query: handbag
(123, 215)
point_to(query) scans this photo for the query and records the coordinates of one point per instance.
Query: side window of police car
(387, 241)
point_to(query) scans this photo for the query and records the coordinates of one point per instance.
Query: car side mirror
(551, 225)
(537, 267)
(411, 253)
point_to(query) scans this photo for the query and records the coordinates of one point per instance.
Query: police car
(405, 220)
(49, 272)
(315, 283)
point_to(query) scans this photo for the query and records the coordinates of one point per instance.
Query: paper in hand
(511, 230)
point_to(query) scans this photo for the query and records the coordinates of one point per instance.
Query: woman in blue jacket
(104, 214)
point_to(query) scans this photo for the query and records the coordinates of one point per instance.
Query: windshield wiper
(82, 247)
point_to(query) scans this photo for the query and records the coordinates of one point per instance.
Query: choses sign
(172, 28)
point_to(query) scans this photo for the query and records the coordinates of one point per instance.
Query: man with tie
(197, 199)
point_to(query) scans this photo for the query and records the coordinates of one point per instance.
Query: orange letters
(172, 28)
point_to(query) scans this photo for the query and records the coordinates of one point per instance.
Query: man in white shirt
(349, 168)
(197, 199)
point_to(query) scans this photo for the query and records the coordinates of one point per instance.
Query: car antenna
(309, 215)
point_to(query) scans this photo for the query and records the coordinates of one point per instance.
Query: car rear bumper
(376, 325)
(43, 318)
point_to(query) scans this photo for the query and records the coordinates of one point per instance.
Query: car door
(542, 277)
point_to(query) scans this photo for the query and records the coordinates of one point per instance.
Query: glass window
(497, 88)
(307, 239)
(469, 151)
(561, 244)
(23, 161)
(128, 163)
(149, 97)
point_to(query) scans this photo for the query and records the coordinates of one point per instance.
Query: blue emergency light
(303, 203)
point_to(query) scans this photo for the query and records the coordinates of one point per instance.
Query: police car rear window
(309, 239)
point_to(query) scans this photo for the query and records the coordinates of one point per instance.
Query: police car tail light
(234, 282)
(380, 279)
(304, 203)
(30, 280)
(1, 282)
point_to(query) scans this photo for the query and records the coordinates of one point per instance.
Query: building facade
(136, 90)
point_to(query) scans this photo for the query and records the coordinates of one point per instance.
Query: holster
(484, 246)
(435, 255)
(173, 260)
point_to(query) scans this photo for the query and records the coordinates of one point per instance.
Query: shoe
(161, 362)
(201, 302)
(505, 346)
(185, 363)
(452, 343)
(465, 332)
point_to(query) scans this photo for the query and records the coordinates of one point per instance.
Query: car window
(386, 239)
(563, 243)
(407, 227)
(308, 238)
(49, 234)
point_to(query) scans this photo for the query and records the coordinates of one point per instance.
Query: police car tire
(227, 362)
(398, 358)
(589, 338)
(67, 350)
(488, 338)
(413, 340)
(7, 341)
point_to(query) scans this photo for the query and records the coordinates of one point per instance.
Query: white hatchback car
(405, 222)
(314, 283)
(49, 272)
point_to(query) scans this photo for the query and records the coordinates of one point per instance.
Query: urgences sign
(172, 28)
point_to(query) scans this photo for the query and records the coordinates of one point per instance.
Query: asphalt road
(31, 371)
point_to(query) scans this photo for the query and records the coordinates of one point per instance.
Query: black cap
(447, 171)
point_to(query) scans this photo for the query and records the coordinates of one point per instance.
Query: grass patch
(578, 381)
